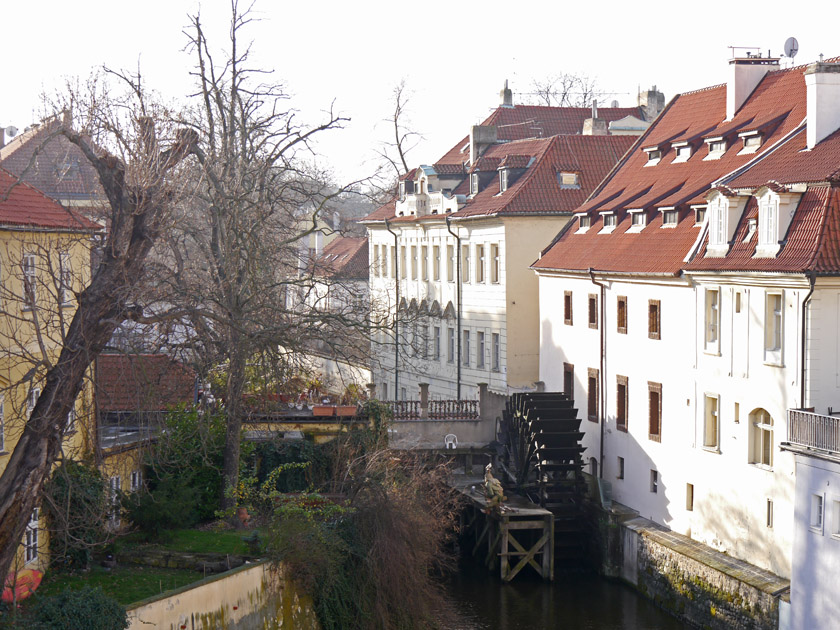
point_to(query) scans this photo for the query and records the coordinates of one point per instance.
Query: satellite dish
(11, 130)
(791, 47)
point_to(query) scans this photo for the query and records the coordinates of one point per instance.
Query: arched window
(761, 438)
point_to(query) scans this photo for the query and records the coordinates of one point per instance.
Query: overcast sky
(454, 56)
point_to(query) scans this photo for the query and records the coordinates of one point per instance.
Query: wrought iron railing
(813, 430)
(404, 409)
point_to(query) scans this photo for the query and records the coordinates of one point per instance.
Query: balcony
(813, 431)
(437, 410)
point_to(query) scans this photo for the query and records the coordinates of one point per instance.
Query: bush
(76, 506)
(83, 609)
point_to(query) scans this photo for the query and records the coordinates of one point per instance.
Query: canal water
(574, 601)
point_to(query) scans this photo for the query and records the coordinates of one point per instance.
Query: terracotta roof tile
(28, 206)
(345, 257)
(146, 382)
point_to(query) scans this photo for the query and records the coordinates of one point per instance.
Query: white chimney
(506, 96)
(745, 73)
(822, 83)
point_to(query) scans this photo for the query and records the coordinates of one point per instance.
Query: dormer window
(584, 223)
(699, 215)
(717, 147)
(654, 154)
(474, 184)
(683, 151)
(638, 220)
(670, 217)
(402, 190)
(752, 142)
(610, 221)
(568, 180)
(503, 179)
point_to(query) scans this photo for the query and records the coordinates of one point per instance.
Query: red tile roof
(777, 107)
(145, 382)
(345, 257)
(28, 206)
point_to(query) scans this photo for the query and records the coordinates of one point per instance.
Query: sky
(453, 56)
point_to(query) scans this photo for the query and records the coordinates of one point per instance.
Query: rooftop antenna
(791, 48)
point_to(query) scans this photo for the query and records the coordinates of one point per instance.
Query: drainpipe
(603, 374)
(458, 298)
(812, 278)
(396, 312)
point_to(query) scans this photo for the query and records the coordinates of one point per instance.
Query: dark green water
(575, 601)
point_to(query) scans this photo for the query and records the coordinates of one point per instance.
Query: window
(638, 220)
(610, 221)
(394, 261)
(717, 147)
(653, 156)
(70, 424)
(479, 263)
(752, 142)
(699, 215)
(621, 403)
(592, 395)
(769, 521)
(773, 320)
(450, 263)
(835, 517)
(817, 512)
(30, 544)
(768, 225)
(436, 263)
(384, 391)
(654, 481)
(496, 352)
(466, 351)
(414, 262)
(737, 301)
(655, 411)
(34, 394)
(593, 310)
(711, 422)
(425, 341)
(494, 263)
(689, 497)
(450, 345)
(712, 329)
(621, 314)
(403, 395)
(65, 279)
(761, 438)
(569, 380)
(30, 277)
(585, 222)
(567, 308)
(437, 343)
(718, 209)
(479, 357)
(568, 179)
(683, 152)
(136, 480)
(465, 263)
(424, 263)
(503, 180)
(670, 217)
(115, 484)
(654, 320)
(474, 184)
(403, 270)
(620, 474)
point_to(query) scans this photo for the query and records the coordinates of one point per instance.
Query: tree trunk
(234, 411)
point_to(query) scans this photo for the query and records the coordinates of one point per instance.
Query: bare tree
(137, 158)
(565, 90)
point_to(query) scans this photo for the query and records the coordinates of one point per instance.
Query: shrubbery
(83, 609)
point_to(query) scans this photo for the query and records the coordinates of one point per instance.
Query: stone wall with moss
(253, 597)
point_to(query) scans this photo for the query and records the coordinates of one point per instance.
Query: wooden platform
(505, 532)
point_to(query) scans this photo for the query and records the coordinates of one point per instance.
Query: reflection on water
(577, 601)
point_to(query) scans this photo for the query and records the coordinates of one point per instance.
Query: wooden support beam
(529, 557)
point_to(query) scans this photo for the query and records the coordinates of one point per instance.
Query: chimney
(481, 137)
(595, 126)
(822, 84)
(745, 73)
(506, 96)
(2, 137)
(651, 102)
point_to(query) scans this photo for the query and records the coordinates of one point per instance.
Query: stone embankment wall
(699, 585)
(253, 597)
(209, 563)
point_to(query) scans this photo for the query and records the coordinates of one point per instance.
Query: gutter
(396, 312)
(458, 298)
(812, 278)
(603, 367)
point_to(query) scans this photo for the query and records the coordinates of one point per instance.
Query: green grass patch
(126, 584)
(194, 541)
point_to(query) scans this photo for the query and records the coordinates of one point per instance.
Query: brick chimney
(745, 73)
(506, 96)
(822, 84)
(651, 102)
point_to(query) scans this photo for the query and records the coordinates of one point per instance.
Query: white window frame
(450, 263)
(114, 487)
(712, 320)
(424, 262)
(450, 345)
(503, 179)
(436, 263)
(30, 280)
(718, 209)
(465, 264)
(495, 264)
(711, 422)
(569, 180)
(32, 400)
(136, 479)
(497, 351)
(65, 282)
(761, 434)
(682, 151)
(817, 513)
(717, 148)
(70, 425)
(768, 225)
(437, 343)
(774, 327)
(654, 154)
(30, 545)
(479, 263)
(466, 349)
(480, 349)
(610, 222)
(670, 217)
(473, 184)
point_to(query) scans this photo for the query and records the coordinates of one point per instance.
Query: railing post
(424, 400)
(371, 387)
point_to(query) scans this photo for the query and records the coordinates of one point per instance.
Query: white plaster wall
(815, 597)
(823, 354)
(730, 494)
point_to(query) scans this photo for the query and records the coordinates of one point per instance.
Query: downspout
(603, 374)
(812, 279)
(458, 299)
(396, 312)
